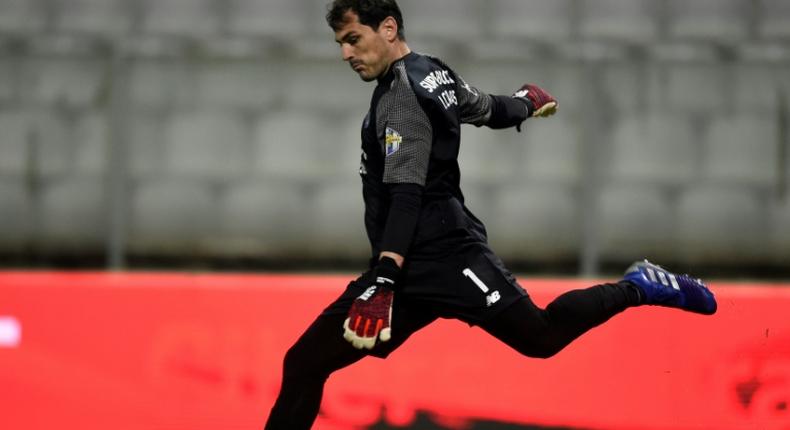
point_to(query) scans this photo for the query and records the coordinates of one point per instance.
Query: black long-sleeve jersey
(411, 138)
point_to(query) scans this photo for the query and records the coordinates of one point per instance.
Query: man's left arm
(498, 112)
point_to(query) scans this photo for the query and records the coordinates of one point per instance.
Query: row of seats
(700, 89)
(653, 148)
(541, 19)
(525, 221)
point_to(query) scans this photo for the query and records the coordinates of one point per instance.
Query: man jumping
(430, 254)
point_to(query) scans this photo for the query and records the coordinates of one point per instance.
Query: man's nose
(346, 52)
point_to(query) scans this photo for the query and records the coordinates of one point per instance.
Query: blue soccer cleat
(663, 288)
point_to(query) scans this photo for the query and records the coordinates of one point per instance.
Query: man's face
(364, 48)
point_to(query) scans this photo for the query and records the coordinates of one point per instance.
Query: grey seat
(102, 17)
(487, 155)
(537, 19)
(742, 150)
(51, 137)
(535, 222)
(73, 213)
(22, 16)
(775, 19)
(206, 145)
(199, 18)
(65, 81)
(238, 84)
(303, 145)
(709, 19)
(552, 151)
(634, 221)
(654, 148)
(337, 222)
(91, 144)
(615, 19)
(721, 224)
(273, 18)
(265, 217)
(15, 211)
(172, 216)
(15, 141)
(162, 84)
(339, 86)
(696, 88)
(780, 231)
(450, 19)
(146, 149)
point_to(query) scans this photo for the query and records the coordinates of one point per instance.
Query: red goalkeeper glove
(370, 315)
(539, 102)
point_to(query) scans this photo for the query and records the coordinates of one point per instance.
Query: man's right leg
(319, 351)
(322, 350)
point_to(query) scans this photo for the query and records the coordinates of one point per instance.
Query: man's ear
(389, 28)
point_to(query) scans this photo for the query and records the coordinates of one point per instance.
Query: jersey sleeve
(474, 105)
(407, 135)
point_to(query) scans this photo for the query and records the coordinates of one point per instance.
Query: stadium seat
(653, 148)
(15, 141)
(547, 20)
(22, 16)
(69, 82)
(302, 145)
(273, 18)
(450, 19)
(719, 223)
(172, 215)
(535, 222)
(742, 150)
(775, 18)
(238, 84)
(696, 88)
(53, 146)
(199, 18)
(631, 87)
(91, 144)
(9, 77)
(208, 145)
(634, 20)
(757, 86)
(162, 83)
(634, 221)
(73, 213)
(552, 151)
(780, 230)
(146, 148)
(265, 217)
(337, 217)
(15, 211)
(339, 88)
(489, 156)
(709, 19)
(100, 17)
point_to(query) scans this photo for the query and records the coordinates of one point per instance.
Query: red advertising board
(203, 351)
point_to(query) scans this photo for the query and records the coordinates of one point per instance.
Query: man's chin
(365, 77)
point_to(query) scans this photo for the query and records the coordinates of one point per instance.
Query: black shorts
(469, 283)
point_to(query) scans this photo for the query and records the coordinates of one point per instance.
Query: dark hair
(370, 12)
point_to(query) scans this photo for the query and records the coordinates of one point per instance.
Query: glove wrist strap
(387, 272)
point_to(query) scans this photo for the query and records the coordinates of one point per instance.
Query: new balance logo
(490, 298)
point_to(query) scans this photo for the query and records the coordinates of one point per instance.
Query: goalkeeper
(430, 257)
